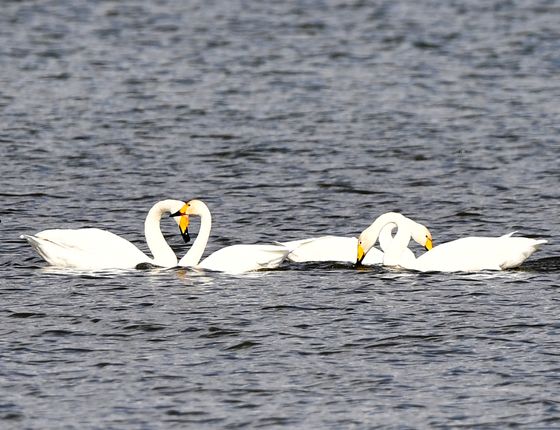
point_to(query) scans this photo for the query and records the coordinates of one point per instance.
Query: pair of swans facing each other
(343, 249)
(96, 249)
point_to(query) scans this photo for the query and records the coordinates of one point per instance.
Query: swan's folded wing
(89, 248)
(472, 254)
(469, 254)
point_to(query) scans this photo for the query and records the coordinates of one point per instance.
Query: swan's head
(364, 245)
(181, 217)
(421, 235)
(192, 207)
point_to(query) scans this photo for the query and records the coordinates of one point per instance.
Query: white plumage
(95, 249)
(232, 259)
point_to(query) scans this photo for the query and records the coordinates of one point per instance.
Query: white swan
(95, 249)
(329, 248)
(468, 254)
(343, 249)
(231, 259)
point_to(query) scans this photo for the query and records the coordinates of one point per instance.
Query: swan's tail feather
(37, 244)
(292, 247)
(295, 244)
(524, 249)
(29, 238)
(508, 235)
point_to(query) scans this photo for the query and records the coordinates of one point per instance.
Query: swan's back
(324, 248)
(245, 258)
(86, 248)
(478, 253)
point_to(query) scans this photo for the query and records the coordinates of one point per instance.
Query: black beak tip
(173, 215)
(186, 236)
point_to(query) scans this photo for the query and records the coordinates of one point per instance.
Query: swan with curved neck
(231, 259)
(467, 254)
(394, 248)
(96, 249)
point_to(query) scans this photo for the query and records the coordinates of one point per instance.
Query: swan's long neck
(161, 251)
(193, 257)
(386, 236)
(394, 253)
(392, 247)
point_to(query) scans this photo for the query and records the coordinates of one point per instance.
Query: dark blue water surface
(289, 119)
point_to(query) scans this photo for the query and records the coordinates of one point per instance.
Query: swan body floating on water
(330, 248)
(231, 259)
(96, 249)
(467, 254)
(343, 249)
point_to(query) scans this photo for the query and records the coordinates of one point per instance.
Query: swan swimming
(96, 249)
(468, 254)
(231, 259)
(343, 249)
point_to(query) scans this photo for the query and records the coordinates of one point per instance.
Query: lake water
(289, 119)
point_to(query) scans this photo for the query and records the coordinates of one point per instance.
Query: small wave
(547, 264)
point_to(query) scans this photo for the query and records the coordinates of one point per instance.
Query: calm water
(290, 119)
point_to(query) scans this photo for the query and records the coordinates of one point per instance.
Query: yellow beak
(361, 254)
(429, 245)
(184, 227)
(184, 223)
